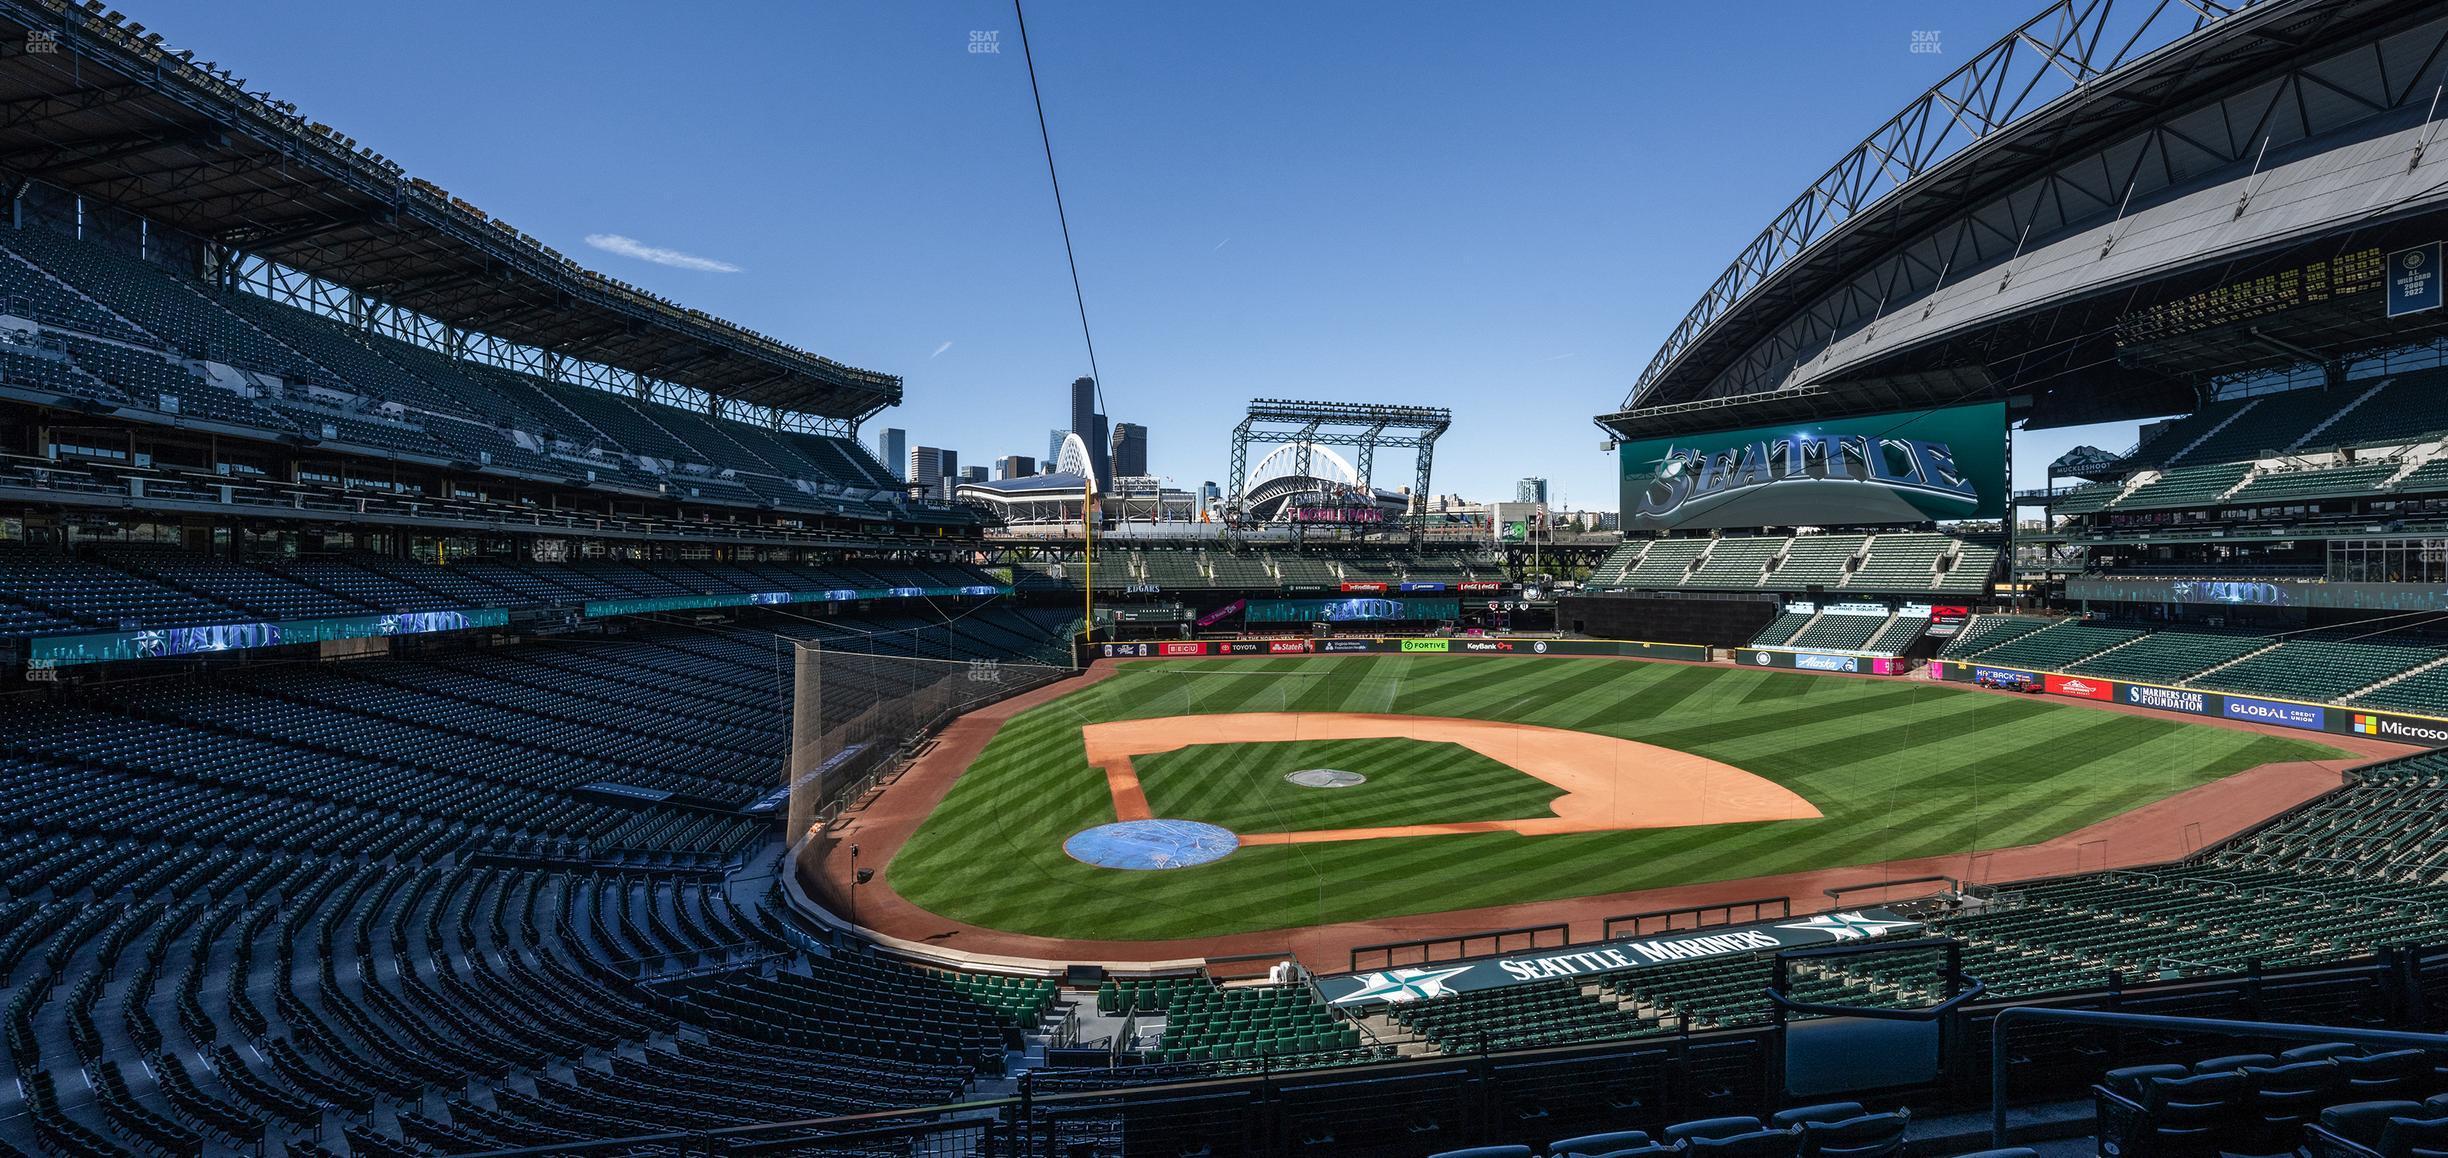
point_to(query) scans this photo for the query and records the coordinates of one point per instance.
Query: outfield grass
(1241, 786)
(1900, 768)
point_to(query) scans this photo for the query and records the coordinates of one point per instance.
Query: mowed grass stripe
(1242, 786)
(1898, 769)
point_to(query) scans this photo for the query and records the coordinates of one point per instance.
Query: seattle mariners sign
(1420, 983)
(1889, 468)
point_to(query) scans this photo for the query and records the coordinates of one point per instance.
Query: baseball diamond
(1858, 772)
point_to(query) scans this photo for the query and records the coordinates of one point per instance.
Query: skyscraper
(973, 474)
(1054, 447)
(926, 467)
(1530, 490)
(1083, 406)
(1129, 449)
(892, 447)
(1016, 466)
(1090, 426)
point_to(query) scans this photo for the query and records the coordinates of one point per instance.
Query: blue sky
(1497, 208)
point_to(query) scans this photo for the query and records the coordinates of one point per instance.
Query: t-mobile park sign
(1437, 979)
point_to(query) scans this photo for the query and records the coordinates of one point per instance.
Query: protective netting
(854, 714)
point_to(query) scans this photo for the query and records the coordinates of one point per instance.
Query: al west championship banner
(1421, 982)
(1911, 467)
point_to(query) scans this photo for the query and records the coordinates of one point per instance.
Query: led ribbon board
(1912, 467)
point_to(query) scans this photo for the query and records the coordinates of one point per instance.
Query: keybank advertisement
(2188, 701)
(1421, 982)
(1911, 467)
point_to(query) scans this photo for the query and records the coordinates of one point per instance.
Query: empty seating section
(2057, 647)
(2274, 423)
(1610, 571)
(1781, 629)
(128, 587)
(31, 365)
(1898, 634)
(2089, 498)
(1736, 561)
(1896, 563)
(1666, 563)
(1227, 1023)
(2430, 478)
(102, 598)
(2413, 405)
(1521, 1017)
(373, 393)
(1306, 569)
(2279, 486)
(1983, 632)
(1816, 560)
(1974, 566)
(2320, 670)
(2172, 437)
(2335, 879)
(27, 292)
(2424, 692)
(2171, 656)
(2185, 487)
(1901, 562)
(1833, 632)
(179, 312)
(374, 900)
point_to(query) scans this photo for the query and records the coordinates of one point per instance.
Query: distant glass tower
(1129, 450)
(892, 446)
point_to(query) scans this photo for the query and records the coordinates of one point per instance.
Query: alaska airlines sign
(1907, 468)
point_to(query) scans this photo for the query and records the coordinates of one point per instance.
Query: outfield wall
(1387, 645)
(2394, 726)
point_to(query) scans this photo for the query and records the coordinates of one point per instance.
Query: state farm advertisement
(2088, 689)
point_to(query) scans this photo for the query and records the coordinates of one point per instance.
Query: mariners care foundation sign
(1421, 982)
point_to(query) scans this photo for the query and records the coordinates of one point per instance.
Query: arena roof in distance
(95, 104)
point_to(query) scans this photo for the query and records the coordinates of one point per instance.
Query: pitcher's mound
(1151, 844)
(1325, 778)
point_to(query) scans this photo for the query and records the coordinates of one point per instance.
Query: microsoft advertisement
(1914, 467)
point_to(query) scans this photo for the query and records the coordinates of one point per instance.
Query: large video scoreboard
(1911, 467)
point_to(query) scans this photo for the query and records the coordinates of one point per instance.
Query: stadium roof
(2080, 75)
(109, 111)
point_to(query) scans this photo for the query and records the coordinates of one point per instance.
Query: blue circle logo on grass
(1151, 844)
